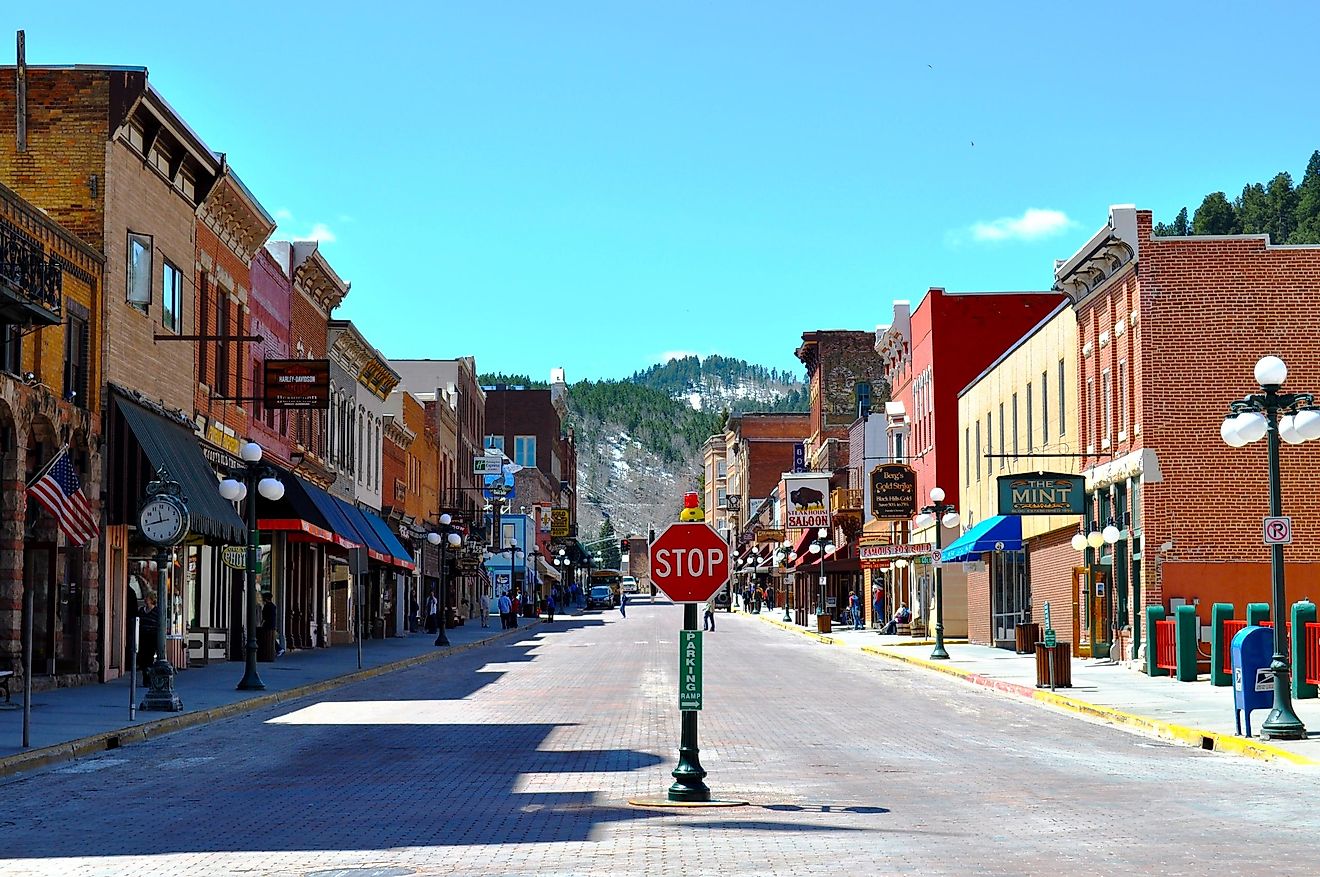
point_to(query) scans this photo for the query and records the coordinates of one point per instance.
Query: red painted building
(930, 354)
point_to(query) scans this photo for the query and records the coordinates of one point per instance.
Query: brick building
(1168, 332)
(50, 394)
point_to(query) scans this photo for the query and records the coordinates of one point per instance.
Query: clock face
(163, 521)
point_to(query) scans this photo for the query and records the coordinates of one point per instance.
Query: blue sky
(597, 185)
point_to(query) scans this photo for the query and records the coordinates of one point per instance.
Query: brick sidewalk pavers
(517, 758)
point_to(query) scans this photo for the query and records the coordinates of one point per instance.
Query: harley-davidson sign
(297, 383)
(893, 492)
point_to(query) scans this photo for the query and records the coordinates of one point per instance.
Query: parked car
(600, 597)
(630, 585)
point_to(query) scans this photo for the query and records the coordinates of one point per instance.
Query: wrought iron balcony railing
(846, 499)
(31, 282)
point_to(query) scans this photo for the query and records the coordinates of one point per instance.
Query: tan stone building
(1032, 383)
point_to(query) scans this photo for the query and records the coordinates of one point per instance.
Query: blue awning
(986, 536)
(388, 539)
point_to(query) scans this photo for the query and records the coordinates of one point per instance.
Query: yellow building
(1019, 418)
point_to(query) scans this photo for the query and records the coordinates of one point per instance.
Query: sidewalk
(1192, 713)
(70, 722)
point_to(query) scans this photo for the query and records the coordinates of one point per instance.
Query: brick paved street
(518, 758)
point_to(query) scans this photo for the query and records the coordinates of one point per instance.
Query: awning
(546, 570)
(307, 509)
(173, 446)
(394, 550)
(1002, 532)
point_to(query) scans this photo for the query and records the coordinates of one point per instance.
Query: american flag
(60, 493)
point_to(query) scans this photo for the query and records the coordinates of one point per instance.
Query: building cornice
(1109, 251)
(236, 217)
(314, 278)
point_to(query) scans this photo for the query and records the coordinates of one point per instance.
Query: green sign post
(689, 670)
(1050, 639)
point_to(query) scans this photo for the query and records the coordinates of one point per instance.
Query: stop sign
(689, 562)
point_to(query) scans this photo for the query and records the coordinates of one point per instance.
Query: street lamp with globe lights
(240, 483)
(947, 516)
(564, 564)
(1294, 418)
(786, 556)
(448, 536)
(822, 545)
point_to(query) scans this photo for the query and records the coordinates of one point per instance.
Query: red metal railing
(1166, 645)
(1312, 670)
(1231, 628)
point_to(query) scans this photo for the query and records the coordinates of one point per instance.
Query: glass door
(1010, 596)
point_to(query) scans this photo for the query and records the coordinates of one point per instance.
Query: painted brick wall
(227, 281)
(978, 607)
(1052, 559)
(270, 301)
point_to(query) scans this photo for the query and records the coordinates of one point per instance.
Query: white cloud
(1034, 224)
(677, 354)
(284, 214)
(320, 232)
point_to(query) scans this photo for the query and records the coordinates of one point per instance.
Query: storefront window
(1010, 594)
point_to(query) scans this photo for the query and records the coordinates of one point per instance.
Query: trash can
(823, 622)
(1054, 665)
(1028, 634)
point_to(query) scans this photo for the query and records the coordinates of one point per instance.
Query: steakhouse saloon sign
(1046, 493)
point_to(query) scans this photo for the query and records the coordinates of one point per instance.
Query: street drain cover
(363, 872)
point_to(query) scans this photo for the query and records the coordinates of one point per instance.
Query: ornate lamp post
(564, 564)
(945, 515)
(821, 545)
(785, 556)
(1294, 418)
(448, 536)
(255, 479)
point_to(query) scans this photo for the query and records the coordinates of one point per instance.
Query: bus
(611, 577)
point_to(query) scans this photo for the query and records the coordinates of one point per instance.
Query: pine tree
(1282, 206)
(610, 558)
(1253, 209)
(1215, 216)
(1306, 216)
(1179, 226)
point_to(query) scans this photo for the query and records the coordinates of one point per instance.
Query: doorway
(1010, 596)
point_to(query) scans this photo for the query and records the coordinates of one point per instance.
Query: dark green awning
(174, 446)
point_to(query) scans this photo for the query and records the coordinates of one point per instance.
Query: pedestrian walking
(855, 607)
(483, 605)
(550, 607)
(708, 621)
(432, 613)
(517, 607)
(506, 610)
(149, 615)
(270, 623)
(623, 605)
(414, 611)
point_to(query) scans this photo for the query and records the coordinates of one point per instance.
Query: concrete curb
(107, 740)
(1197, 738)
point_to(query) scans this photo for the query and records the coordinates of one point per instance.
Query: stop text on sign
(687, 561)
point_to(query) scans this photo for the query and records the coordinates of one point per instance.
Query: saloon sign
(808, 499)
(1045, 493)
(893, 492)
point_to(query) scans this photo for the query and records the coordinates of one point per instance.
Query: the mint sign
(689, 670)
(1047, 493)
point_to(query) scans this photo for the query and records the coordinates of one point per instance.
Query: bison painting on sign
(808, 499)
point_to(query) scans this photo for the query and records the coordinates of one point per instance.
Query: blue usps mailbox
(1253, 681)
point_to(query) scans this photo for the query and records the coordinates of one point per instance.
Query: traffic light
(623, 545)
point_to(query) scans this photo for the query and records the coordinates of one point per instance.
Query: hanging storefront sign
(871, 552)
(808, 493)
(297, 383)
(893, 492)
(800, 457)
(1045, 493)
(768, 535)
(234, 556)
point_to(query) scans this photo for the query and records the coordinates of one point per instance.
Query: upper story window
(524, 450)
(863, 396)
(721, 469)
(495, 441)
(171, 314)
(76, 356)
(139, 270)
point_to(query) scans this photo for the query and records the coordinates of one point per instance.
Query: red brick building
(1169, 331)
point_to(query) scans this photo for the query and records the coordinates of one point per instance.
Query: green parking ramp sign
(689, 670)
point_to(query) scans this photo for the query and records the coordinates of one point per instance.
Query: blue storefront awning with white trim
(1002, 532)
